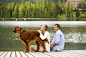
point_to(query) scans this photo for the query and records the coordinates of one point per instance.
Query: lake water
(74, 32)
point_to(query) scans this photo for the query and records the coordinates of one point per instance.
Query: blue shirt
(59, 40)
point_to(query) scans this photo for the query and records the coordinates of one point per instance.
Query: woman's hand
(40, 31)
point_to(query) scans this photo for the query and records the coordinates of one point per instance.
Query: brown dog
(27, 36)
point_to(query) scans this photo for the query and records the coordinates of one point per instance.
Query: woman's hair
(45, 26)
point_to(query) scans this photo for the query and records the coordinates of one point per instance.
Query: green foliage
(27, 9)
(69, 9)
(77, 13)
(21, 10)
(43, 9)
(16, 1)
(32, 1)
(82, 6)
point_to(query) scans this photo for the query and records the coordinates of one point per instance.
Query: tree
(56, 10)
(64, 7)
(26, 9)
(16, 11)
(52, 10)
(21, 10)
(77, 13)
(7, 12)
(69, 9)
(11, 8)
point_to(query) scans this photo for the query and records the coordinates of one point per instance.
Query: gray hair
(45, 26)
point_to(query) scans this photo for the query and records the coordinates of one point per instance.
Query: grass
(62, 16)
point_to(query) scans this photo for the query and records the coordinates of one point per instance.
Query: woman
(43, 35)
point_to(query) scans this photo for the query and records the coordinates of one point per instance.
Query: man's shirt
(59, 40)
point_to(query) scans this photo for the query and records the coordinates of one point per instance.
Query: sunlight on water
(75, 37)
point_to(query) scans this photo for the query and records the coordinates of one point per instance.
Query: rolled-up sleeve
(57, 35)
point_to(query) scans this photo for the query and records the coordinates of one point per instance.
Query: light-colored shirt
(46, 35)
(59, 40)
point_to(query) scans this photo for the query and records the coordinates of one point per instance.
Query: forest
(44, 9)
(33, 1)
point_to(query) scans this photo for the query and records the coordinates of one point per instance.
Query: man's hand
(51, 46)
(50, 41)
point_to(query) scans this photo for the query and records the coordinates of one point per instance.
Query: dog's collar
(20, 30)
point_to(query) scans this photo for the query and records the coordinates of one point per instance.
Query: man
(58, 41)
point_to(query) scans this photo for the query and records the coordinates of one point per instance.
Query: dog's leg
(44, 48)
(26, 44)
(47, 40)
(27, 49)
(38, 46)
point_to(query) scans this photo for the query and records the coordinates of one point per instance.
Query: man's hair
(58, 25)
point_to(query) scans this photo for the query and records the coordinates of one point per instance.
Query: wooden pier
(64, 53)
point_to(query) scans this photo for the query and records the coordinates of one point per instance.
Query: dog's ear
(21, 28)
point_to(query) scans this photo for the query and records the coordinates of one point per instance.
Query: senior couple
(58, 42)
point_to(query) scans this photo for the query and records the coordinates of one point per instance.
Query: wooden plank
(44, 54)
(39, 54)
(33, 54)
(66, 53)
(49, 54)
(8, 54)
(13, 54)
(29, 55)
(18, 54)
(3, 55)
(22, 54)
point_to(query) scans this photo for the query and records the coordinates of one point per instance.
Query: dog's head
(17, 30)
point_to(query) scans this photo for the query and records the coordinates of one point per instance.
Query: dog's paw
(43, 51)
(26, 51)
(36, 51)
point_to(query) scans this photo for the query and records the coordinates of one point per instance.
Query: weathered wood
(64, 53)
(22, 54)
(4, 54)
(29, 55)
(8, 54)
(13, 54)
(1, 53)
(18, 54)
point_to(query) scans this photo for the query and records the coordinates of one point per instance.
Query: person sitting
(58, 42)
(43, 35)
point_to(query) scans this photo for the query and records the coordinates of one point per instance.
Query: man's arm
(52, 45)
(57, 41)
